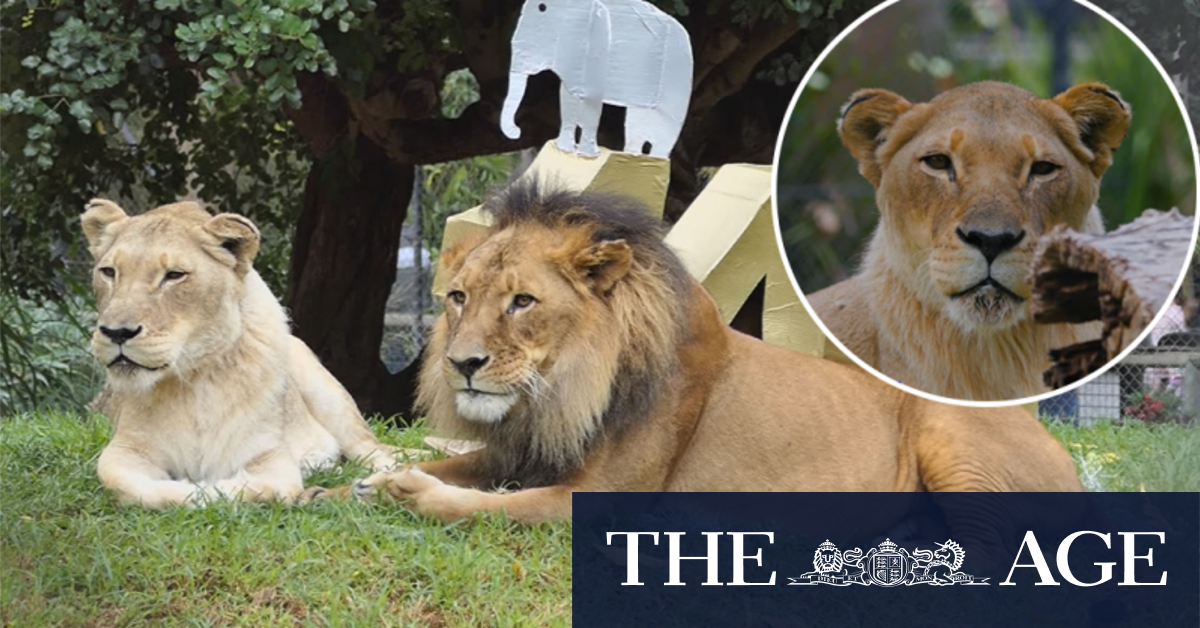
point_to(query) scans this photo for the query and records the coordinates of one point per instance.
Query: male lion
(209, 393)
(966, 184)
(576, 345)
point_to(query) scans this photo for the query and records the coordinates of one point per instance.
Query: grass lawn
(1134, 456)
(71, 557)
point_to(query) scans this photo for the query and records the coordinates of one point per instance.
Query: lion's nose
(991, 244)
(470, 365)
(120, 335)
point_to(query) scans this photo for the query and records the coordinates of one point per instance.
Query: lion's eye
(174, 275)
(1042, 168)
(522, 301)
(937, 162)
(458, 297)
(108, 271)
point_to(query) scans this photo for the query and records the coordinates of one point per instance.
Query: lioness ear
(603, 264)
(237, 238)
(1101, 120)
(96, 219)
(864, 124)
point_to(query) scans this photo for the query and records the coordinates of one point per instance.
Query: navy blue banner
(885, 559)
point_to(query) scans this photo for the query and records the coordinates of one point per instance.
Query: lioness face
(967, 183)
(514, 305)
(168, 285)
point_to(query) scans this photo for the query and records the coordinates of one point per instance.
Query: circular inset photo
(986, 201)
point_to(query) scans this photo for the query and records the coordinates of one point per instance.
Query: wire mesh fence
(410, 307)
(1158, 381)
(440, 191)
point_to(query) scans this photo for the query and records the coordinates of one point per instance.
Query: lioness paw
(203, 495)
(314, 493)
(380, 460)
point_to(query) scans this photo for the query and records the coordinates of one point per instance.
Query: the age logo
(888, 565)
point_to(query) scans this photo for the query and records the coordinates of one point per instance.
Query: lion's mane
(544, 440)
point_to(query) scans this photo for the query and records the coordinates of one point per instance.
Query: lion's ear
(237, 239)
(99, 215)
(603, 264)
(1101, 120)
(863, 126)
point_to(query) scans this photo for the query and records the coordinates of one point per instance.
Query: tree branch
(486, 28)
(323, 116)
(477, 130)
(729, 77)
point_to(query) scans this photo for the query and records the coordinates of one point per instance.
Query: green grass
(70, 556)
(1132, 456)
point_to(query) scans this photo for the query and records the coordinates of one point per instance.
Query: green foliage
(1154, 406)
(44, 357)
(455, 186)
(460, 90)
(264, 43)
(99, 100)
(784, 69)
(247, 51)
(1153, 168)
(1133, 456)
(73, 557)
(803, 11)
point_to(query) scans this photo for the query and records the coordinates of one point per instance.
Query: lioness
(576, 345)
(209, 393)
(965, 185)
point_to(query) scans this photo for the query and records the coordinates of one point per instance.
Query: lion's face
(521, 317)
(167, 285)
(967, 183)
(827, 561)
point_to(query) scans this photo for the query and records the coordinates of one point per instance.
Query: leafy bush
(1154, 406)
(46, 362)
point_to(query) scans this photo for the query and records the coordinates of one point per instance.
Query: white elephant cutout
(621, 52)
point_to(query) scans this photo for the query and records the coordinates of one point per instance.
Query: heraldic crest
(888, 565)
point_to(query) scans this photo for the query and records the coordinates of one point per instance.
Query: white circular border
(963, 402)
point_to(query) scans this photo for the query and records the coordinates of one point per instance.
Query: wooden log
(1122, 279)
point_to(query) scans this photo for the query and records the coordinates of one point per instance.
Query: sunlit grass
(1135, 456)
(72, 557)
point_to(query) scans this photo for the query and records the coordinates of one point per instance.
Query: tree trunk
(343, 267)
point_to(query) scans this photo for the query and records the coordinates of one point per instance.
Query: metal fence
(440, 190)
(1159, 381)
(410, 307)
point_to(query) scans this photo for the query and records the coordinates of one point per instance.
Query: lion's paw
(401, 483)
